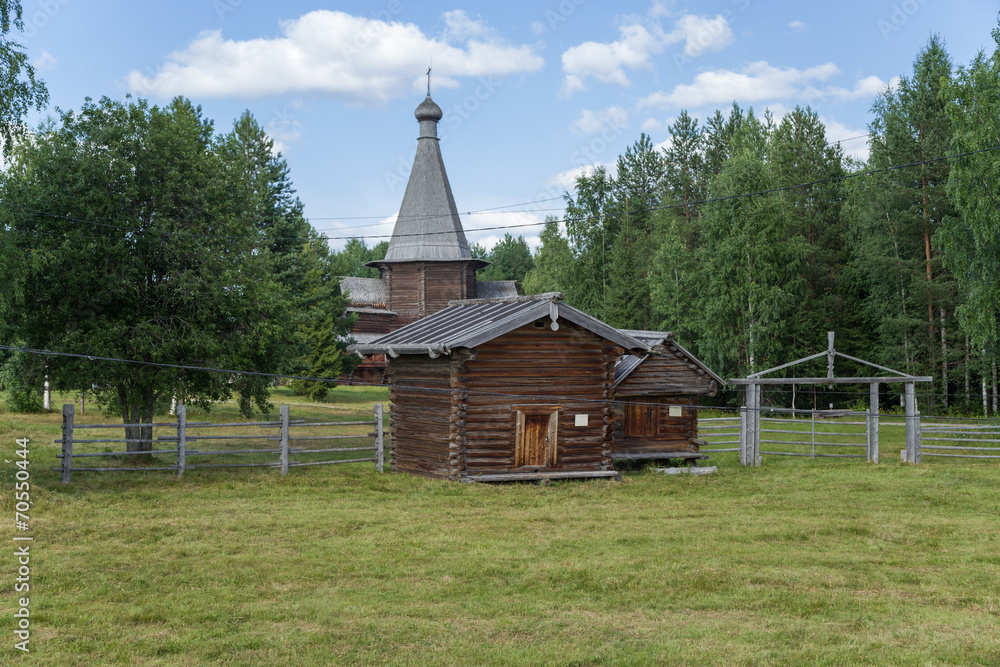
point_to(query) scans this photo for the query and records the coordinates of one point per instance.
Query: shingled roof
(466, 324)
(428, 228)
(658, 340)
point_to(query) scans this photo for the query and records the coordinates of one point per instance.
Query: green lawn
(797, 562)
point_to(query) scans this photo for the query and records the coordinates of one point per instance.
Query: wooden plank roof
(466, 324)
(661, 342)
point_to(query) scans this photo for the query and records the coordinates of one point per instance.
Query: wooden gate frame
(754, 383)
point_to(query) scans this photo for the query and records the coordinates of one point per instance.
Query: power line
(700, 202)
(433, 390)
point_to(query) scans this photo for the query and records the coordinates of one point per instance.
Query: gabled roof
(428, 228)
(466, 324)
(662, 342)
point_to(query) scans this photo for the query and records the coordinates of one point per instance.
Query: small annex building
(428, 263)
(657, 394)
(503, 390)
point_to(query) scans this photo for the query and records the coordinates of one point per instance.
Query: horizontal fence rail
(716, 431)
(279, 443)
(965, 441)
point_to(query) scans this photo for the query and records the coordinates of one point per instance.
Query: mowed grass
(796, 562)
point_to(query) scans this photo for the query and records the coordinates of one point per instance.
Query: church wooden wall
(418, 289)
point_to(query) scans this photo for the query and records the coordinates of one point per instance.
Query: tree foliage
(20, 90)
(128, 242)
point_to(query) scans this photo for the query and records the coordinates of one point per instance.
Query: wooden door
(642, 418)
(534, 448)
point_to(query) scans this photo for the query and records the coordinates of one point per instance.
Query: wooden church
(428, 263)
(486, 385)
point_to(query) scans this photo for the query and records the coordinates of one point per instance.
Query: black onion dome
(428, 110)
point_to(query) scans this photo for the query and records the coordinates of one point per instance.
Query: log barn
(503, 390)
(656, 395)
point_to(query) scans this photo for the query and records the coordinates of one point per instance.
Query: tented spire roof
(428, 227)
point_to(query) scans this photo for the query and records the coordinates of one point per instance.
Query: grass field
(797, 562)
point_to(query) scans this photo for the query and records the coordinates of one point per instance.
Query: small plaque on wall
(676, 411)
(581, 420)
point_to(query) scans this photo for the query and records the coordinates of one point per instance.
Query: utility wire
(425, 389)
(700, 202)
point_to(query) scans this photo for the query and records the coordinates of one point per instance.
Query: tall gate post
(743, 435)
(911, 423)
(750, 427)
(181, 411)
(755, 461)
(379, 447)
(283, 456)
(873, 424)
(67, 443)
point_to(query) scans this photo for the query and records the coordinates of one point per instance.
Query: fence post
(916, 438)
(909, 399)
(283, 457)
(755, 449)
(67, 443)
(379, 447)
(743, 433)
(181, 439)
(873, 424)
(812, 416)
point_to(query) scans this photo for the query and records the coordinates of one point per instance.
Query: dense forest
(750, 236)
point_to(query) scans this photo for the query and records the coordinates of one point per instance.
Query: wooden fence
(185, 433)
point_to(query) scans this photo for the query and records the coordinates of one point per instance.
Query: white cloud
(45, 61)
(514, 223)
(566, 180)
(849, 137)
(702, 34)
(635, 48)
(797, 25)
(870, 86)
(757, 81)
(363, 60)
(591, 122)
(607, 62)
(460, 27)
(652, 125)
(538, 27)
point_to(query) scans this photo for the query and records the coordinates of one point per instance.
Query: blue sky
(533, 92)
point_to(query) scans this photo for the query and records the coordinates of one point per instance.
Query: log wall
(671, 434)
(535, 365)
(420, 417)
(418, 289)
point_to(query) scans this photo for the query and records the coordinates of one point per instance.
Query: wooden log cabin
(503, 390)
(428, 263)
(657, 395)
